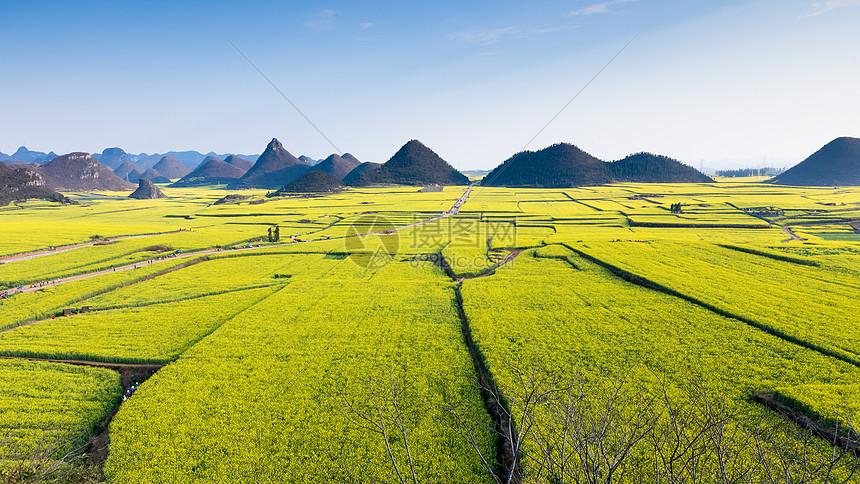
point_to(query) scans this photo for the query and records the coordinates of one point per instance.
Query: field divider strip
(224, 321)
(827, 430)
(499, 410)
(53, 312)
(649, 284)
(65, 248)
(46, 356)
(778, 257)
(507, 457)
(143, 279)
(135, 305)
(86, 360)
(189, 298)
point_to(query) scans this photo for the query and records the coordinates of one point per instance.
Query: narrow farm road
(36, 287)
(791, 234)
(66, 248)
(453, 211)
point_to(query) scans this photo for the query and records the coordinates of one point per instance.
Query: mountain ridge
(80, 171)
(413, 164)
(338, 166)
(835, 164)
(563, 165)
(171, 168)
(24, 184)
(212, 171)
(274, 168)
(314, 181)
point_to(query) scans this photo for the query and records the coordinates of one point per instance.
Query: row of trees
(567, 429)
(768, 171)
(275, 234)
(564, 428)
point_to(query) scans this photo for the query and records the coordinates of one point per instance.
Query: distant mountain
(413, 164)
(154, 176)
(146, 190)
(563, 165)
(360, 170)
(125, 169)
(836, 164)
(80, 171)
(250, 158)
(558, 166)
(650, 168)
(133, 177)
(308, 160)
(146, 161)
(113, 158)
(316, 181)
(23, 155)
(338, 166)
(349, 157)
(24, 184)
(191, 159)
(212, 171)
(274, 168)
(238, 162)
(171, 168)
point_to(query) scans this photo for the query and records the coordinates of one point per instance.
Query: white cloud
(486, 37)
(602, 7)
(828, 5)
(366, 25)
(492, 36)
(322, 21)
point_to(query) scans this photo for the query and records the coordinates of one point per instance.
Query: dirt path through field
(97, 447)
(66, 248)
(99, 364)
(848, 221)
(853, 223)
(791, 234)
(36, 287)
(129, 267)
(132, 373)
(453, 211)
(510, 257)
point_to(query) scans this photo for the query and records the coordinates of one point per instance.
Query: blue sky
(713, 83)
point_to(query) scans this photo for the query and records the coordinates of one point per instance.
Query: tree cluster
(574, 429)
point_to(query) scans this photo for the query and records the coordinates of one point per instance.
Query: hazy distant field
(339, 356)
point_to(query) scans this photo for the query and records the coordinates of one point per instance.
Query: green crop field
(385, 339)
(51, 405)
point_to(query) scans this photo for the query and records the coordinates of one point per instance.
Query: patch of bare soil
(97, 448)
(791, 234)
